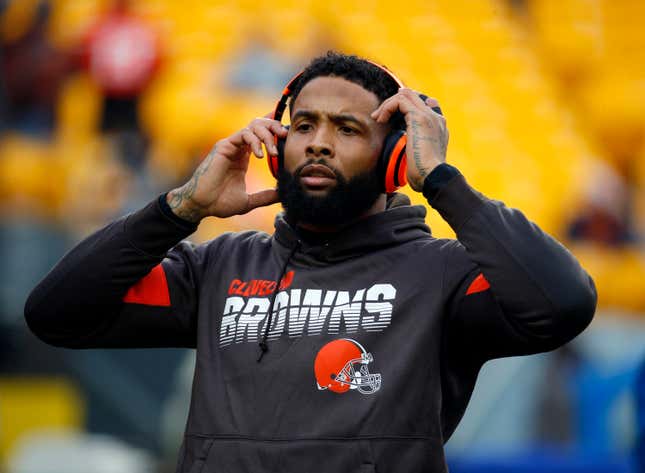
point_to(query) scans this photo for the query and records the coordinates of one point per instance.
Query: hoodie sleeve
(130, 284)
(512, 289)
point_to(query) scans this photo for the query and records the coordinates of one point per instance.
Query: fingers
(273, 125)
(421, 99)
(262, 199)
(392, 105)
(264, 129)
(406, 101)
(260, 131)
(432, 102)
(414, 97)
(265, 135)
(253, 141)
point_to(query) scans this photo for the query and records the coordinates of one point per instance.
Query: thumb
(262, 199)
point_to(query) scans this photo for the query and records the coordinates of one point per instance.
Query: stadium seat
(30, 177)
(55, 451)
(34, 403)
(70, 20)
(78, 109)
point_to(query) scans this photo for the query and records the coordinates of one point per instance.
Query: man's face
(331, 153)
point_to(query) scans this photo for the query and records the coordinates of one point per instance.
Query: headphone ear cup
(276, 162)
(393, 165)
(272, 161)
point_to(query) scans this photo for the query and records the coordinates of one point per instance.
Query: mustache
(320, 161)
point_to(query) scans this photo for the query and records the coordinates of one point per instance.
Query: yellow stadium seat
(29, 176)
(180, 107)
(70, 20)
(618, 274)
(28, 404)
(613, 112)
(210, 35)
(570, 34)
(79, 108)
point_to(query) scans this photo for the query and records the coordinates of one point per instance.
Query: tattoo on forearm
(443, 142)
(179, 197)
(440, 144)
(416, 149)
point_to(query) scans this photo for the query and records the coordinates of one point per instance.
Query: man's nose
(320, 146)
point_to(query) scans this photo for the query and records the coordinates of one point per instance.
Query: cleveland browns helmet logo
(341, 365)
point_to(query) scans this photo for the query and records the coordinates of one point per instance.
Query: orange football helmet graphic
(341, 365)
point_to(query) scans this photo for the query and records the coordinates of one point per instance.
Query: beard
(344, 202)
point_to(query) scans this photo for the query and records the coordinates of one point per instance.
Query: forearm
(180, 202)
(540, 287)
(87, 286)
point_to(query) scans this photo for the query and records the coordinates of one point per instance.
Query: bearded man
(350, 339)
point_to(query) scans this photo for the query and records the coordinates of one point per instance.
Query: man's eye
(348, 130)
(303, 127)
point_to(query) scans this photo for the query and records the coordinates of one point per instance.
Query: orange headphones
(392, 165)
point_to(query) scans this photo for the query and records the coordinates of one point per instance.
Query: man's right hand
(217, 187)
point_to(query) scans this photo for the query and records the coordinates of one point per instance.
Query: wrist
(438, 179)
(183, 207)
(418, 175)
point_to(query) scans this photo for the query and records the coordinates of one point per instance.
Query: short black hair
(354, 69)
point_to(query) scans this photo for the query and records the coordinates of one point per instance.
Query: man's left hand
(426, 132)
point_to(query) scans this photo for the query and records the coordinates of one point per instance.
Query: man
(370, 331)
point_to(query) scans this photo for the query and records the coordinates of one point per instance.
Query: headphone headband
(281, 106)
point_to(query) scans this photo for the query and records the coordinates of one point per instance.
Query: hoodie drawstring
(264, 346)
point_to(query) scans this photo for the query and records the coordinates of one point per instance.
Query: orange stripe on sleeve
(479, 284)
(150, 290)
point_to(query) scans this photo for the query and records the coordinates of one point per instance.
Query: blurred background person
(122, 53)
(33, 72)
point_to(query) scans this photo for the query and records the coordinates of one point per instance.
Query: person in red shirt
(122, 54)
